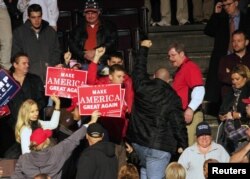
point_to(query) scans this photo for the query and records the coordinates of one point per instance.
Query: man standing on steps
(188, 84)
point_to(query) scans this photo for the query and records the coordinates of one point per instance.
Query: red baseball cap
(246, 100)
(39, 135)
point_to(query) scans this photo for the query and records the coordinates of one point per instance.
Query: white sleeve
(53, 123)
(25, 134)
(197, 96)
(22, 5)
(53, 12)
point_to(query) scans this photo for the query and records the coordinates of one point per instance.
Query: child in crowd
(205, 166)
(128, 171)
(28, 120)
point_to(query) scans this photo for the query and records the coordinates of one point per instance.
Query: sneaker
(163, 23)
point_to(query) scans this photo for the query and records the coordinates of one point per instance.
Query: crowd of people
(161, 132)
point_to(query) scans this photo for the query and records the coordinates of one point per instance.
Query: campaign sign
(8, 87)
(63, 82)
(105, 98)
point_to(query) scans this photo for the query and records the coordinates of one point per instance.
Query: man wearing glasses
(92, 33)
(224, 21)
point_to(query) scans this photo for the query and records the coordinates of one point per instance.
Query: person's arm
(241, 155)
(129, 92)
(197, 96)
(25, 134)
(92, 69)
(140, 68)
(224, 73)
(111, 38)
(16, 43)
(18, 174)
(232, 133)
(53, 13)
(54, 121)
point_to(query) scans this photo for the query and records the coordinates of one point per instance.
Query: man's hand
(146, 43)
(218, 7)
(67, 56)
(89, 55)
(95, 115)
(188, 115)
(98, 54)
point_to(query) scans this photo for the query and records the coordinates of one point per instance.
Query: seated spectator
(98, 160)
(175, 170)
(128, 171)
(47, 158)
(205, 166)
(28, 120)
(194, 156)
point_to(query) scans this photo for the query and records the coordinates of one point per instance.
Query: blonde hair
(23, 117)
(242, 70)
(128, 171)
(175, 171)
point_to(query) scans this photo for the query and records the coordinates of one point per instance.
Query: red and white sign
(63, 82)
(105, 98)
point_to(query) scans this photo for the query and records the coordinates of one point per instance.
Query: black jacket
(157, 117)
(106, 36)
(43, 51)
(218, 28)
(98, 162)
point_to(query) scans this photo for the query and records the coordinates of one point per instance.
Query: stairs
(198, 45)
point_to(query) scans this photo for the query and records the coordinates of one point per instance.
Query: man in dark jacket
(92, 33)
(157, 127)
(39, 40)
(98, 161)
(218, 28)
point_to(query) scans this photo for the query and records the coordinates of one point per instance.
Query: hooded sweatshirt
(98, 162)
(49, 160)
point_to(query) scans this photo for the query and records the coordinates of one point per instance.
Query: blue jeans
(153, 162)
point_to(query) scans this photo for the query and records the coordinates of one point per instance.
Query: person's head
(74, 64)
(175, 171)
(205, 166)
(128, 171)
(95, 133)
(163, 74)
(35, 15)
(239, 76)
(39, 139)
(117, 74)
(20, 63)
(230, 6)
(115, 58)
(203, 134)
(239, 41)
(176, 54)
(92, 11)
(42, 176)
(28, 113)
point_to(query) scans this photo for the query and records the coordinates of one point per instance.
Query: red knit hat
(39, 135)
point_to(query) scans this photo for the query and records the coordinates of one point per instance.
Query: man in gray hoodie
(46, 159)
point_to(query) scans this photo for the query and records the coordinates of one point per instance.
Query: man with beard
(39, 40)
(228, 62)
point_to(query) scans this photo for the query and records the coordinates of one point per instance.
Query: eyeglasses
(228, 4)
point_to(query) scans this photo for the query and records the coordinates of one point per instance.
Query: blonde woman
(28, 120)
(175, 171)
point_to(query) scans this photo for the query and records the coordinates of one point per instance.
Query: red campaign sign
(63, 82)
(105, 98)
